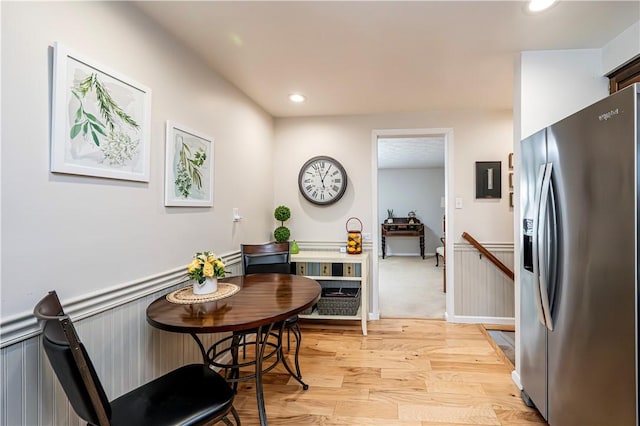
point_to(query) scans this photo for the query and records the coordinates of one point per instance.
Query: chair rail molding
(125, 349)
(16, 328)
(330, 245)
(24, 325)
(483, 250)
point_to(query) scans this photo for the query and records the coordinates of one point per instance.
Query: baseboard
(405, 255)
(515, 376)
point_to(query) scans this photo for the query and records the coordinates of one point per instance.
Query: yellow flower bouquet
(205, 265)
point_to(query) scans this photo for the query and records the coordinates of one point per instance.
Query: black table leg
(261, 341)
(205, 359)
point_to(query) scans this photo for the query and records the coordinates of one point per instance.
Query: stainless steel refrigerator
(579, 263)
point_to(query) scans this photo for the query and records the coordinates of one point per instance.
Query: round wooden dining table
(263, 303)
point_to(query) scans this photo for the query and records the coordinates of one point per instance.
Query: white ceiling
(363, 57)
(410, 153)
(367, 57)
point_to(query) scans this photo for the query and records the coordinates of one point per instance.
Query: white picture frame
(101, 120)
(189, 167)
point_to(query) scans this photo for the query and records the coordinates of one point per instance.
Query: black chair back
(71, 363)
(266, 258)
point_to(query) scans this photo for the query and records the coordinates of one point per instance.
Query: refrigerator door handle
(535, 249)
(541, 246)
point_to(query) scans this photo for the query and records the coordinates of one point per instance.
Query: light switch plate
(236, 214)
(458, 202)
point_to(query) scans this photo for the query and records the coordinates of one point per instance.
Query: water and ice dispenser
(527, 244)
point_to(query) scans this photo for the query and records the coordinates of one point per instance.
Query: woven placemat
(185, 295)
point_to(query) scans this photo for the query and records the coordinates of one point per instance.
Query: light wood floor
(405, 372)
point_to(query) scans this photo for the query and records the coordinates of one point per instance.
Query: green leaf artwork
(107, 134)
(188, 169)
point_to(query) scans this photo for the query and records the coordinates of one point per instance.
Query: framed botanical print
(188, 167)
(100, 120)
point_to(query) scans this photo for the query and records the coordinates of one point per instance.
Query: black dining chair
(273, 258)
(190, 395)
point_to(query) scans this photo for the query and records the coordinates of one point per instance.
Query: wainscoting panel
(125, 349)
(481, 289)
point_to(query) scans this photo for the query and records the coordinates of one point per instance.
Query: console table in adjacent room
(402, 227)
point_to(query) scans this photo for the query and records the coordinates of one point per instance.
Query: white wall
(557, 83)
(621, 49)
(81, 235)
(412, 189)
(478, 136)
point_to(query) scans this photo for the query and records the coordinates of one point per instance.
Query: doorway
(410, 177)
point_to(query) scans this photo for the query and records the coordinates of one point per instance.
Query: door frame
(447, 135)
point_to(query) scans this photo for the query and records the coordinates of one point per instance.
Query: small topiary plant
(282, 233)
(282, 213)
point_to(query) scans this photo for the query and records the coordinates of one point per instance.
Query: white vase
(210, 285)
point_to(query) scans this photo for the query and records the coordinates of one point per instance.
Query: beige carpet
(410, 287)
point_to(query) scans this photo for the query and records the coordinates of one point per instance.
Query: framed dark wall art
(488, 179)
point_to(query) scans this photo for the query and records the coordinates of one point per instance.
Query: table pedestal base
(265, 350)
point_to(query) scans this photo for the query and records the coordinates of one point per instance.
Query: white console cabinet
(334, 269)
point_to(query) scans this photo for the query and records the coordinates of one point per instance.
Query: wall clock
(322, 180)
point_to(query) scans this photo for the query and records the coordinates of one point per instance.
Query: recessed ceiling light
(296, 97)
(540, 5)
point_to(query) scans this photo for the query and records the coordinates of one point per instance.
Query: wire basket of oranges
(354, 235)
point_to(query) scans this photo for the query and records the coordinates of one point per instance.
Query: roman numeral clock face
(322, 180)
